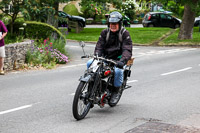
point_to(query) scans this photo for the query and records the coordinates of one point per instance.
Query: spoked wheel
(81, 105)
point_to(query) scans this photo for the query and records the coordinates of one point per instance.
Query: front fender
(86, 78)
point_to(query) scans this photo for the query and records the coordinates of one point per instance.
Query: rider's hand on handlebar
(120, 64)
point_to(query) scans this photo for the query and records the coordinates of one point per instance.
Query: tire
(150, 25)
(81, 95)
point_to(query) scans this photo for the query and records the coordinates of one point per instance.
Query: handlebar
(100, 58)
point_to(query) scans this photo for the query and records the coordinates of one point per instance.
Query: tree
(92, 9)
(186, 29)
(52, 18)
(191, 7)
(37, 10)
(16, 6)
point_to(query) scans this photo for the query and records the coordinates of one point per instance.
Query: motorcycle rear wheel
(81, 105)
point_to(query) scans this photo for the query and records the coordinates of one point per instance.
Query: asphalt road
(105, 26)
(165, 88)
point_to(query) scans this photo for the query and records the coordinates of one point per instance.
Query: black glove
(120, 64)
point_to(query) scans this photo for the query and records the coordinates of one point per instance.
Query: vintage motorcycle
(96, 85)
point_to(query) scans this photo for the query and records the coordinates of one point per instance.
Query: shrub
(13, 38)
(47, 53)
(6, 19)
(40, 30)
(92, 9)
(71, 10)
(128, 8)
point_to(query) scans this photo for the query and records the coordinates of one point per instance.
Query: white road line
(72, 94)
(135, 48)
(89, 46)
(181, 70)
(132, 81)
(15, 109)
(138, 56)
(74, 65)
(189, 49)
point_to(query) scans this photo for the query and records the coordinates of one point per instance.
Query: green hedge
(71, 10)
(41, 30)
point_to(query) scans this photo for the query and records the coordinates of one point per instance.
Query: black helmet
(115, 17)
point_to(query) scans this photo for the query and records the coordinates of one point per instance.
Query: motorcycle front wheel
(81, 104)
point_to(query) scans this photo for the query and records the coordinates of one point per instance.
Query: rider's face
(114, 27)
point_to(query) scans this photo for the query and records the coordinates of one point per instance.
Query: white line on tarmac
(16, 109)
(132, 81)
(88, 46)
(74, 65)
(135, 48)
(181, 70)
(72, 94)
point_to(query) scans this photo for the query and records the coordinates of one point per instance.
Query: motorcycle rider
(115, 43)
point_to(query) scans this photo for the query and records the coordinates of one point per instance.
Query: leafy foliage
(71, 9)
(37, 10)
(177, 6)
(41, 30)
(92, 9)
(128, 8)
(47, 53)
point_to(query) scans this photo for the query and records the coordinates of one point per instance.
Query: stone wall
(15, 55)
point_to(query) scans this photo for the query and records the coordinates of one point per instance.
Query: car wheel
(177, 26)
(150, 25)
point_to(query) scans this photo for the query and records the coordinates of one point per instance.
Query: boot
(115, 95)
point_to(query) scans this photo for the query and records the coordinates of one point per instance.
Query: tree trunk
(186, 29)
(53, 19)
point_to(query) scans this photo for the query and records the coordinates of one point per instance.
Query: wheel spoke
(81, 105)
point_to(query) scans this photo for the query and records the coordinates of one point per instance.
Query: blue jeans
(118, 77)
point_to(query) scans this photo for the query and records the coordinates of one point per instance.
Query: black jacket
(113, 47)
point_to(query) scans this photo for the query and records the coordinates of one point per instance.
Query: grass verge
(145, 36)
(172, 40)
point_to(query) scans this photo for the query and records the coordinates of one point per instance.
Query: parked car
(159, 19)
(197, 21)
(81, 21)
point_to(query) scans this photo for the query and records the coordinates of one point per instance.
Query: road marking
(72, 94)
(74, 65)
(189, 49)
(181, 70)
(89, 46)
(135, 48)
(15, 109)
(132, 81)
(163, 52)
(80, 46)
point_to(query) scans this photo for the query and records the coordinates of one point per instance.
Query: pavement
(105, 26)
